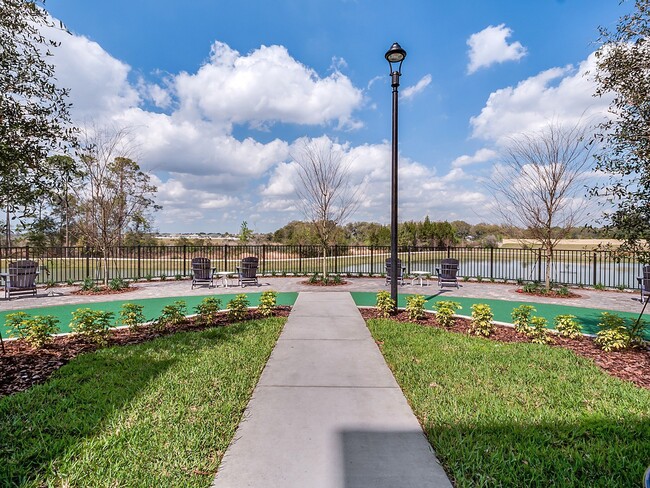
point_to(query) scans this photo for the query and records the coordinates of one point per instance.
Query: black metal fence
(74, 264)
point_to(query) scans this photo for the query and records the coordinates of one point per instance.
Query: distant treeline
(414, 233)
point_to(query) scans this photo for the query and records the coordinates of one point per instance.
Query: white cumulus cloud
(411, 91)
(480, 156)
(490, 46)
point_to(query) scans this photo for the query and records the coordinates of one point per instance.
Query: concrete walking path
(327, 411)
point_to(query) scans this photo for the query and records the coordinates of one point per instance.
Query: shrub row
(95, 325)
(615, 333)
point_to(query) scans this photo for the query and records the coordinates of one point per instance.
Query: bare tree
(538, 184)
(327, 196)
(114, 193)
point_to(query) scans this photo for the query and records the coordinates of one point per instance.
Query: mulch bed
(320, 283)
(22, 366)
(103, 290)
(631, 365)
(549, 294)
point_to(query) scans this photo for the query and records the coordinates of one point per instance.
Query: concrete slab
(327, 411)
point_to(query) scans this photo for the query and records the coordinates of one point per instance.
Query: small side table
(224, 275)
(421, 276)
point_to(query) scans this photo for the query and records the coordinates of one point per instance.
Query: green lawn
(518, 414)
(159, 413)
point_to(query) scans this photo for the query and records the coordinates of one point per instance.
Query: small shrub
(521, 318)
(415, 307)
(163, 277)
(171, 315)
(616, 334)
(89, 285)
(118, 284)
(445, 311)
(148, 277)
(519, 281)
(531, 287)
(238, 307)
(336, 279)
(481, 323)
(465, 278)
(599, 286)
(131, 315)
(620, 287)
(479, 278)
(313, 279)
(537, 331)
(581, 285)
(207, 310)
(91, 324)
(492, 280)
(268, 302)
(563, 291)
(385, 304)
(567, 326)
(36, 331)
(178, 277)
(69, 282)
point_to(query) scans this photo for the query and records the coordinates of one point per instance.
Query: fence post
(595, 281)
(263, 258)
(26, 252)
(539, 265)
(408, 259)
(491, 263)
(87, 262)
(139, 275)
(448, 252)
(336, 258)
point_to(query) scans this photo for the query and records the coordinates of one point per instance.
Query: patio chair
(448, 273)
(247, 271)
(202, 272)
(644, 283)
(400, 272)
(21, 278)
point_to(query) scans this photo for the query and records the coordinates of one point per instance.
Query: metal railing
(74, 264)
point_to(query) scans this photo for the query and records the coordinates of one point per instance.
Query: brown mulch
(549, 294)
(631, 365)
(104, 290)
(320, 283)
(22, 366)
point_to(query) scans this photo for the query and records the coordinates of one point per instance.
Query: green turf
(156, 414)
(515, 415)
(152, 307)
(588, 317)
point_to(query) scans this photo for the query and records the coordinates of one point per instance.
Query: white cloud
(480, 156)
(411, 91)
(265, 86)
(563, 95)
(490, 46)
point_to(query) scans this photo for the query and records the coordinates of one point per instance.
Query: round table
(421, 276)
(224, 277)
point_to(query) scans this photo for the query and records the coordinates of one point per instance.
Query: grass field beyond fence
(160, 413)
(518, 414)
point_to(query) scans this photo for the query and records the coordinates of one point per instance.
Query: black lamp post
(395, 56)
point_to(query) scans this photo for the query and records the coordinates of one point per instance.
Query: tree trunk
(324, 263)
(549, 261)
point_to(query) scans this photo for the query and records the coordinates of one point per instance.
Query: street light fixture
(395, 56)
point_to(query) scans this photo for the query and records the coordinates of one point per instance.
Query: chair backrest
(449, 268)
(399, 267)
(201, 268)
(248, 268)
(22, 274)
(646, 277)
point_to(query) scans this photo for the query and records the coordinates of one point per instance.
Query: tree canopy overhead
(34, 112)
(623, 70)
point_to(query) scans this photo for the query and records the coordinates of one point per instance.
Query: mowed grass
(161, 413)
(518, 414)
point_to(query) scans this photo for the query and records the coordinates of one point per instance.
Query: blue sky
(219, 95)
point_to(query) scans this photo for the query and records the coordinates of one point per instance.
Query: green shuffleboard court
(588, 317)
(152, 307)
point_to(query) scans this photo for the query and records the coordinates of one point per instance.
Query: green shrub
(172, 314)
(148, 277)
(336, 279)
(385, 304)
(616, 334)
(567, 326)
(599, 286)
(532, 287)
(620, 287)
(132, 316)
(118, 284)
(313, 279)
(178, 277)
(521, 318)
(36, 331)
(89, 285)
(481, 323)
(238, 307)
(268, 302)
(537, 331)
(163, 277)
(445, 310)
(465, 278)
(479, 278)
(91, 324)
(69, 282)
(563, 291)
(415, 307)
(207, 310)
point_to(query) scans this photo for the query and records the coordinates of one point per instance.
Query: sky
(220, 96)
